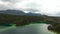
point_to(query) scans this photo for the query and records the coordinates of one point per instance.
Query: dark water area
(28, 29)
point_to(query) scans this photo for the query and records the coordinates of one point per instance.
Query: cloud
(13, 1)
(48, 7)
(9, 4)
(19, 4)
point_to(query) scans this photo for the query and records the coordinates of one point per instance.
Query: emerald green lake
(28, 29)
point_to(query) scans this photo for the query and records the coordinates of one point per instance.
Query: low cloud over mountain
(18, 12)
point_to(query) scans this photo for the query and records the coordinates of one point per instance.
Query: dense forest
(21, 20)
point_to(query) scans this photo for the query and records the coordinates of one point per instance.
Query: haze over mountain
(18, 12)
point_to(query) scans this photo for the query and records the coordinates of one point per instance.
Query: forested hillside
(21, 20)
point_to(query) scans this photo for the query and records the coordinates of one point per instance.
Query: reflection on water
(29, 29)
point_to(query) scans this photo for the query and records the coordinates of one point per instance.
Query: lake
(28, 29)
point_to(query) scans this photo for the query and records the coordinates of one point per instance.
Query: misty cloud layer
(46, 7)
(9, 4)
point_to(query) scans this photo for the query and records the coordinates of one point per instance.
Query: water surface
(28, 29)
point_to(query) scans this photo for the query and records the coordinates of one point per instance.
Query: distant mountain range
(18, 12)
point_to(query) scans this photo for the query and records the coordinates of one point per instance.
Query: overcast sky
(48, 7)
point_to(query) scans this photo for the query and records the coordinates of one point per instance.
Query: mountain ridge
(18, 12)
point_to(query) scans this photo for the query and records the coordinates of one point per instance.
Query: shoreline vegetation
(21, 20)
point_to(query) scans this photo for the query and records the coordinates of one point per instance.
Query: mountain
(13, 12)
(33, 14)
(18, 12)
